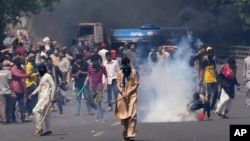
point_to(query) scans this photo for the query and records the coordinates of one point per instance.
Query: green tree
(244, 12)
(12, 10)
(242, 6)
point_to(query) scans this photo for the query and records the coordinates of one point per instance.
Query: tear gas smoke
(167, 90)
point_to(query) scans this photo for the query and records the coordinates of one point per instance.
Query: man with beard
(46, 92)
(127, 84)
(95, 73)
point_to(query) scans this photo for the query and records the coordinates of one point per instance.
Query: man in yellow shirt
(209, 79)
(31, 82)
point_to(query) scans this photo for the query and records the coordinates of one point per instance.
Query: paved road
(71, 128)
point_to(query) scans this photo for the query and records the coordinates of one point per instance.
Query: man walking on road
(246, 77)
(208, 76)
(46, 92)
(95, 72)
(6, 91)
(126, 106)
(80, 72)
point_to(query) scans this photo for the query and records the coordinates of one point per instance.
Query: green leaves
(12, 10)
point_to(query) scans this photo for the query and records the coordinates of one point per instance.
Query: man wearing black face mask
(18, 76)
(46, 92)
(209, 79)
(127, 84)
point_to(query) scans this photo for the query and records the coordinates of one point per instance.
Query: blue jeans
(211, 89)
(86, 93)
(31, 103)
(112, 88)
(21, 104)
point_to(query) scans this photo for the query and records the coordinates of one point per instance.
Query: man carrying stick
(46, 93)
(127, 84)
(80, 72)
(95, 73)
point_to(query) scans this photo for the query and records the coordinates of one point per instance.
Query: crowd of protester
(19, 76)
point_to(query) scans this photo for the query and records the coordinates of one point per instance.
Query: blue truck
(146, 37)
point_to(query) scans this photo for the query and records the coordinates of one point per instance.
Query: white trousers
(39, 111)
(224, 104)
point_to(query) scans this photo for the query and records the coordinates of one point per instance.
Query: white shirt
(44, 54)
(102, 53)
(167, 55)
(112, 70)
(46, 88)
(64, 65)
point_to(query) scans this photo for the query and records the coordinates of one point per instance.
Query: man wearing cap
(103, 52)
(46, 92)
(31, 82)
(208, 77)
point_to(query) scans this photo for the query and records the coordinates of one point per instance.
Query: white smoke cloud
(166, 91)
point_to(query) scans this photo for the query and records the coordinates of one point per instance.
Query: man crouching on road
(46, 93)
(127, 84)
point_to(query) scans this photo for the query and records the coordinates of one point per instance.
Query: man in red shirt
(95, 73)
(228, 80)
(18, 77)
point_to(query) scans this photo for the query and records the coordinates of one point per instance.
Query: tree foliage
(12, 10)
(244, 12)
(242, 6)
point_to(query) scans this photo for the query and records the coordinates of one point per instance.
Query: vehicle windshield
(85, 30)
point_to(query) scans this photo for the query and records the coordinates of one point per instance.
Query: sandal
(38, 131)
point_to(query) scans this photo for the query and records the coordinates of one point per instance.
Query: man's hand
(13, 95)
(125, 94)
(52, 99)
(30, 96)
(85, 83)
(245, 80)
(78, 73)
(105, 88)
(29, 74)
(238, 84)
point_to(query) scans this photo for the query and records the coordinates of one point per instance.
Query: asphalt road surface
(84, 127)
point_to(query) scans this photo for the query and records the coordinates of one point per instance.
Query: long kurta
(46, 91)
(127, 107)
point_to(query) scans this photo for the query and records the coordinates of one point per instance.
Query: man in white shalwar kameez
(46, 93)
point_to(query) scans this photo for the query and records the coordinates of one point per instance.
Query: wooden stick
(110, 104)
(45, 114)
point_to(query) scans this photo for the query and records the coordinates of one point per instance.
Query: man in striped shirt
(95, 73)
